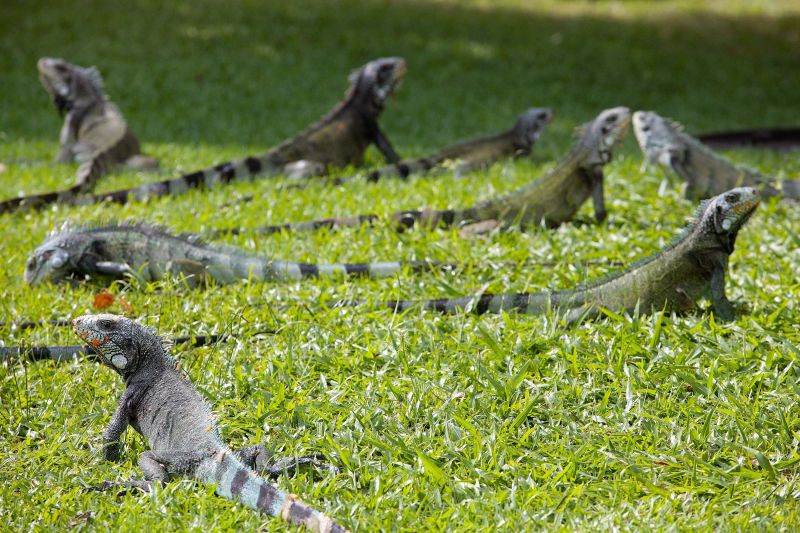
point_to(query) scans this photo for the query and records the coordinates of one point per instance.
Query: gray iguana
(162, 404)
(705, 172)
(468, 156)
(338, 139)
(94, 133)
(690, 268)
(551, 199)
(149, 253)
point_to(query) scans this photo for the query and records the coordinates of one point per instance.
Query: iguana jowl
(551, 199)
(94, 133)
(338, 139)
(149, 253)
(692, 267)
(162, 404)
(705, 172)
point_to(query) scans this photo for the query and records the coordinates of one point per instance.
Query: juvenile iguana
(468, 156)
(149, 253)
(181, 431)
(338, 139)
(94, 133)
(690, 268)
(551, 199)
(705, 172)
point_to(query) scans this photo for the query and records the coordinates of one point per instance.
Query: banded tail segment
(39, 201)
(225, 173)
(286, 271)
(237, 482)
(522, 302)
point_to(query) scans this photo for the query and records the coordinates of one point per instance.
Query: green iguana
(338, 139)
(706, 173)
(149, 253)
(94, 133)
(551, 199)
(162, 404)
(469, 156)
(690, 268)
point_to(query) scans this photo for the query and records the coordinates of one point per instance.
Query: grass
(438, 422)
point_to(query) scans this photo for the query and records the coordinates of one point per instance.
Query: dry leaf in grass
(126, 307)
(103, 299)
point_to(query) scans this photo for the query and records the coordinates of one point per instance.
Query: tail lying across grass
(238, 482)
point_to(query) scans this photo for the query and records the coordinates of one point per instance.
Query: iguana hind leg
(260, 459)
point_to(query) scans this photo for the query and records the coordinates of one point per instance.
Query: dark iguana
(94, 133)
(468, 156)
(705, 172)
(690, 268)
(181, 431)
(551, 199)
(149, 253)
(339, 139)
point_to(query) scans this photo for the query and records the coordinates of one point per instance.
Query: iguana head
(603, 133)
(658, 138)
(720, 218)
(53, 260)
(69, 84)
(530, 124)
(121, 343)
(376, 80)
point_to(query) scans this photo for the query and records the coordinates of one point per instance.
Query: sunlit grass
(437, 422)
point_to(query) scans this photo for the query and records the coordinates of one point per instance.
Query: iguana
(690, 268)
(338, 139)
(162, 404)
(706, 172)
(149, 253)
(94, 133)
(551, 199)
(468, 156)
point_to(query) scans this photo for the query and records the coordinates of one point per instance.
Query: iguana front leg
(383, 144)
(66, 141)
(111, 268)
(598, 196)
(722, 306)
(115, 429)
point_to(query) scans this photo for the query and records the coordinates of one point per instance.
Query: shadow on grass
(254, 73)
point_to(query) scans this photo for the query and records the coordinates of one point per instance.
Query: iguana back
(705, 172)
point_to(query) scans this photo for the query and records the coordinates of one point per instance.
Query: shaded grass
(438, 422)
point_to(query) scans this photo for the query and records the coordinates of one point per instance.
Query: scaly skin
(149, 253)
(165, 407)
(338, 139)
(552, 199)
(705, 172)
(691, 268)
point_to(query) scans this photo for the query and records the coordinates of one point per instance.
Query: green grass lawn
(437, 422)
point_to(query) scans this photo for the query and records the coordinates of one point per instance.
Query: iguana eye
(611, 118)
(106, 324)
(732, 197)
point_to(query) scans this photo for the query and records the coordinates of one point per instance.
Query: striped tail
(401, 219)
(39, 201)
(237, 482)
(533, 303)
(791, 189)
(285, 271)
(225, 173)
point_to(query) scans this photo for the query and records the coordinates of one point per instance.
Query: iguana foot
(479, 228)
(290, 464)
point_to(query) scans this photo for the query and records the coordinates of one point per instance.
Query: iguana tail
(285, 270)
(38, 201)
(401, 219)
(225, 173)
(237, 482)
(314, 225)
(522, 302)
